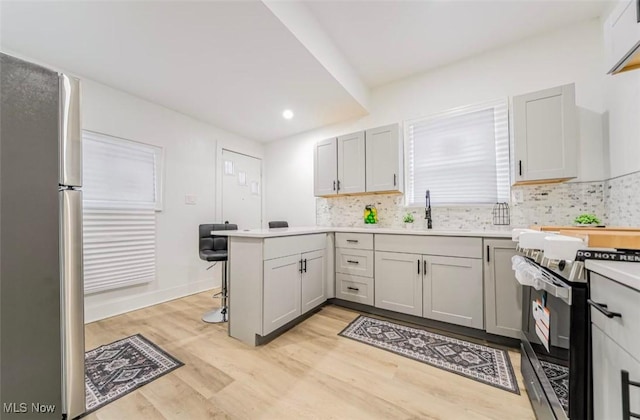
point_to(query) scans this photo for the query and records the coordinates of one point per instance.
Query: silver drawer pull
(353, 262)
(602, 308)
(355, 289)
(352, 241)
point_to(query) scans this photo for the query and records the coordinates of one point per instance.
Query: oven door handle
(560, 292)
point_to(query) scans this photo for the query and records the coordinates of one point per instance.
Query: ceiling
(231, 64)
(239, 64)
(390, 40)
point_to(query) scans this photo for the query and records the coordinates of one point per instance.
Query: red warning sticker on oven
(541, 316)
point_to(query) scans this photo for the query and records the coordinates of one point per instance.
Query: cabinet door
(281, 292)
(622, 33)
(325, 167)
(453, 290)
(313, 282)
(398, 282)
(609, 359)
(384, 172)
(351, 160)
(502, 292)
(545, 135)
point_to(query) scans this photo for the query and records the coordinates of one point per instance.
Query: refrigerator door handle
(72, 303)
(70, 140)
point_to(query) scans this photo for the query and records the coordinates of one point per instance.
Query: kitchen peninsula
(277, 277)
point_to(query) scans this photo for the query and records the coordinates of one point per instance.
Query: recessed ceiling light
(287, 114)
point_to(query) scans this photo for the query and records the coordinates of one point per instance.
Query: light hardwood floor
(308, 372)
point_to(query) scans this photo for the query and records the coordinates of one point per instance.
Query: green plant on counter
(587, 219)
(408, 218)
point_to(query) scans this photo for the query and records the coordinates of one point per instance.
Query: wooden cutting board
(599, 238)
(581, 228)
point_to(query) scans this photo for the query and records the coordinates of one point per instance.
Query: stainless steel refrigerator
(41, 281)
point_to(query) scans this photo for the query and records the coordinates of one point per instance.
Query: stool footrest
(216, 316)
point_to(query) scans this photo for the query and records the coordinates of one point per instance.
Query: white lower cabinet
(609, 361)
(293, 284)
(502, 292)
(354, 288)
(398, 282)
(442, 288)
(313, 290)
(453, 289)
(354, 261)
(615, 340)
(281, 298)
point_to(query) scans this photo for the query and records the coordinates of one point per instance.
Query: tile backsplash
(622, 198)
(550, 204)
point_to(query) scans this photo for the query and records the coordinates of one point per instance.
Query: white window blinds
(120, 194)
(461, 156)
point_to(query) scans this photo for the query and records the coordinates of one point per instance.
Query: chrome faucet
(427, 210)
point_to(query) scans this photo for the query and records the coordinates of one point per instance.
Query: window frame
(450, 113)
(158, 152)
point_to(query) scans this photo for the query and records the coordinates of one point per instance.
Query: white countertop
(292, 231)
(627, 273)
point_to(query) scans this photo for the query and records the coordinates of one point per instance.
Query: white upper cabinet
(622, 37)
(545, 131)
(351, 162)
(325, 163)
(365, 161)
(384, 159)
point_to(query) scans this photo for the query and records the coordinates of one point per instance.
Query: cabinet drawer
(609, 360)
(620, 299)
(354, 261)
(291, 245)
(447, 246)
(354, 240)
(354, 288)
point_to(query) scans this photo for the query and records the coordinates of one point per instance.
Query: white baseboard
(97, 312)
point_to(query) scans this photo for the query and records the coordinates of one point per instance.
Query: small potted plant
(408, 221)
(586, 219)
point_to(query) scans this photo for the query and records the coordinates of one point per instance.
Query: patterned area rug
(559, 378)
(481, 363)
(114, 370)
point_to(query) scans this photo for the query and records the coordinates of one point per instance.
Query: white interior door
(241, 190)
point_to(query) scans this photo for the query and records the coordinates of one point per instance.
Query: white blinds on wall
(120, 192)
(461, 156)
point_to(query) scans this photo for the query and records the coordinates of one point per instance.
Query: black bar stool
(214, 249)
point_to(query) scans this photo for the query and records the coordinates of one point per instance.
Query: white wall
(190, 168)
(574, 54)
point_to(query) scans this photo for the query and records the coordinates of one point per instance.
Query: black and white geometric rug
(481, 363)
(559, 378)
(114, 370)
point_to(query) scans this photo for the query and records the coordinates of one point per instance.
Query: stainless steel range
(555, 326)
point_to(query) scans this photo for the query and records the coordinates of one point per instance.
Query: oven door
(546, 372)
(551, 367)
